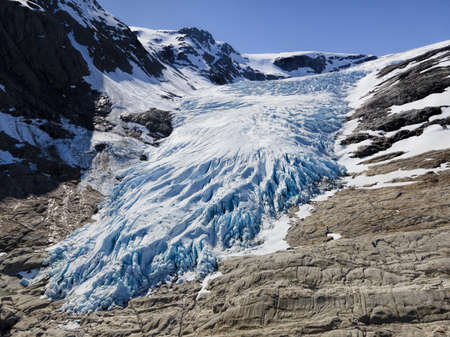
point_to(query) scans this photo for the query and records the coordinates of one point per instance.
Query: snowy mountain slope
(401, 109)
(239, 154)
(195, 52)
(70, 50)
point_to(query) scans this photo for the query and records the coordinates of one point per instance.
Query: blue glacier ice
(238, 154)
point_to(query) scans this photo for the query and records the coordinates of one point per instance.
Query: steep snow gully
(240, 155)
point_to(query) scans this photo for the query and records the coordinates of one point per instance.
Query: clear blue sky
(257, 26)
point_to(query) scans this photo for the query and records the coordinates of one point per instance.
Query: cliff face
(44, 90)
(42, 72)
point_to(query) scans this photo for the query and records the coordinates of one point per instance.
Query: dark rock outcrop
(41, 71)
(394, 123)
(318, 63)
(292, 63)
(157, 122)
(40, 170)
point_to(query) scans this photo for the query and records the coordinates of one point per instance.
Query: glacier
(239, 155)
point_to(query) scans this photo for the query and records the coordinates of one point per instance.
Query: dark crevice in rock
(383, 158)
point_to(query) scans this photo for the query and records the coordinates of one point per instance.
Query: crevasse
(238, 153)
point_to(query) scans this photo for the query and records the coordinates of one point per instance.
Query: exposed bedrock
(353, 212)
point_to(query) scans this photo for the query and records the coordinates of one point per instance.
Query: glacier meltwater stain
(238, 154)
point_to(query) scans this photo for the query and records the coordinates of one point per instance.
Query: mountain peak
(201, 36)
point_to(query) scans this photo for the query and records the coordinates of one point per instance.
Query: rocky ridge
(195, 51)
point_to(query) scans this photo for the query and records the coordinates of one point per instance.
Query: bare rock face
(30, 225)
(418, 206)
(43, 77)
(394, 123)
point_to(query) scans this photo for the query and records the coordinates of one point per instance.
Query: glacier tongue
(238, 154)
